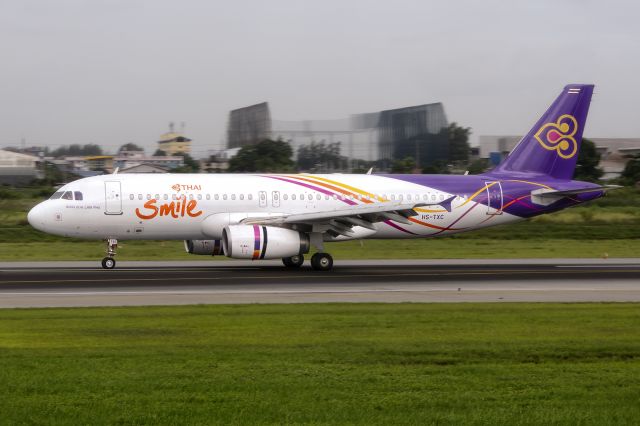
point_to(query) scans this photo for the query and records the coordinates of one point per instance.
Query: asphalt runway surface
(61, 284)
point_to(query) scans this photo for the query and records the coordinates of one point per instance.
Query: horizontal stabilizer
(545, 197)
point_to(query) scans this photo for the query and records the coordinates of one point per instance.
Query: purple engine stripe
(393, 225)
(256, 237)
(315, 188)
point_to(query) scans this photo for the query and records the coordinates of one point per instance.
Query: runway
(66, 284)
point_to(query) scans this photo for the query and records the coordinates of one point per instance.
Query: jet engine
(263, 242)
(205, 247)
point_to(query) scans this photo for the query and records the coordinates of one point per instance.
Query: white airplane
(271, 216)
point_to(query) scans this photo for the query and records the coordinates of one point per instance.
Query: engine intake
(263, 242)
(204, 247)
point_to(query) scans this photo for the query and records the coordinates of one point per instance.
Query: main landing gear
(319, 261)
(293, 261)
(322, 261)
(109, 262)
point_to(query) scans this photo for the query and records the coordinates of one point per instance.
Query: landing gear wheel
(108, 263)
(293, 261)
(322, 262)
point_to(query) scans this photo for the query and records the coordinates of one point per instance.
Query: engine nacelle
(204, 247)
(263, 242)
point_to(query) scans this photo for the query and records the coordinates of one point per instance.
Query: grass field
(607, 227)
(498, 364)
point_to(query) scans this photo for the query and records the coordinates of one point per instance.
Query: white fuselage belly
(173, 206)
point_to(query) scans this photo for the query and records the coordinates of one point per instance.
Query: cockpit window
(68, 195)
(56, 195)
(78, 195)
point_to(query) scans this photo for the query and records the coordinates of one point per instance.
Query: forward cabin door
(494, 197)
(112, 197)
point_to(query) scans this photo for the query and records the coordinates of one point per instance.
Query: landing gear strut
(293, 261)
(109, 262)
(322, 261)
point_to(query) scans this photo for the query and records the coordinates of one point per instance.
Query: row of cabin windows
(293, 197)
(67, 195)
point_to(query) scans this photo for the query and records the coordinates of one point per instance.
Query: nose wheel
(322, 262)
(109, 262)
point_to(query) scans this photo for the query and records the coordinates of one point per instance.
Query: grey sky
(115, 71)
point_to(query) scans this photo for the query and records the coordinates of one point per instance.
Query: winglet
(446, 204)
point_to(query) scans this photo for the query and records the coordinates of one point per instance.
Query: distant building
(416, 131)
(144, 168)
(248, 125)
(173, 143)
(128, 159)
(19, 169)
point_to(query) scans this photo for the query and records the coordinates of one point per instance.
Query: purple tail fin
(551, 147)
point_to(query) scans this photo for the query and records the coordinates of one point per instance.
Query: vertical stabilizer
(551, 147)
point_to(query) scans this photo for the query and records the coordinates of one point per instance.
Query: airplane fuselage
(175, 206)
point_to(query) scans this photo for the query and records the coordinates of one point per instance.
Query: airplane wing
(341, 221)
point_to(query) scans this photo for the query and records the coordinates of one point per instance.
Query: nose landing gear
(109, 262)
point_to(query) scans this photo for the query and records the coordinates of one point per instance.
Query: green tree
(159, 153)
(631, 173)
(319, 156)
(76, 150)
(268, 156)
(438, 168)
(404, 166)
(588, 160)
(458, 143)
(130, 147)
(190, 165)
(478, 166)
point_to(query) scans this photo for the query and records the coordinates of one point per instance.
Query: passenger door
(494, 197)
(112, 197)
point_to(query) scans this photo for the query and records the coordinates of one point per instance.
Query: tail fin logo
(559, 136)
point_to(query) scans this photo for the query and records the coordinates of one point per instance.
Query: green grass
(498, 364)
(606, 227)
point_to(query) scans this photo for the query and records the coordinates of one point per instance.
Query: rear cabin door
(275, 198)
(494, 197)
(112, 197)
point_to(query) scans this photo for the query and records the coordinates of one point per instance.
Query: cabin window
(56, 195)
(191, 196)
(318, 197)
(166, 197)
(139, 196)
(326, 196)
(174, 197)
(285, 196)
(157, 196)
(208, 196)
(302, 197)
(131, 197)
(293, 197)
(425, 197)
(250, 197)
(433, 197)
(335, 196)
(408, 197)
(217, 197)
(224, 196)
(242, 196)
(310, 197)
(233, 197)
(199, 196)
(393, 197)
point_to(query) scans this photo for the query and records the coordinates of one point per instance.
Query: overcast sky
(117, 71)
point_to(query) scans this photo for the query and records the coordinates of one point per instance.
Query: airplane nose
(36, 217)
